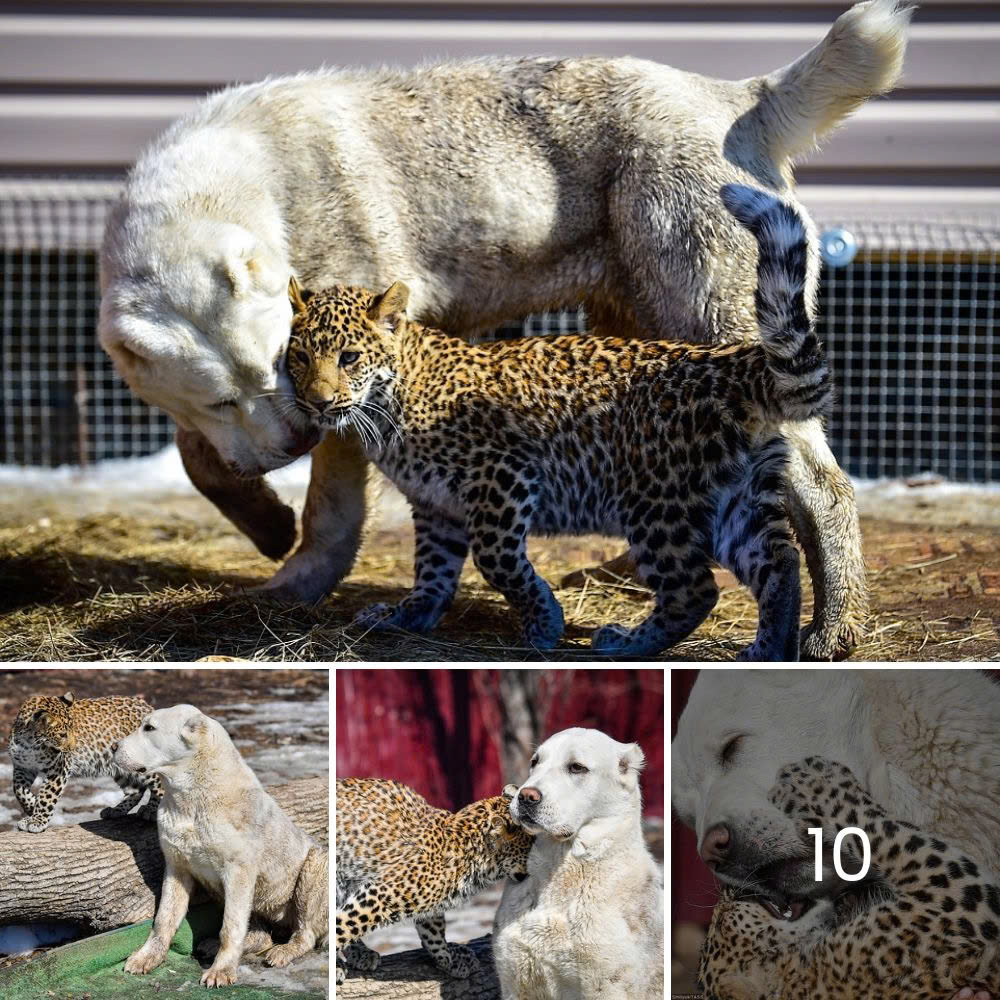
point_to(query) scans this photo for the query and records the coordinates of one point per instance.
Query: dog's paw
(223, 976)
(142, 961)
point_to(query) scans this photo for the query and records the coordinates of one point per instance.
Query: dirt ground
(166, 578)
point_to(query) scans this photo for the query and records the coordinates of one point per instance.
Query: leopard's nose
(114, 748)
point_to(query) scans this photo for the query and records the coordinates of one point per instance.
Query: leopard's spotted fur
(675, 446)
(928, 925)
(398, 857)
(62, 738)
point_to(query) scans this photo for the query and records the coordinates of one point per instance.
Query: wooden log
(107, 873)
(411, 975)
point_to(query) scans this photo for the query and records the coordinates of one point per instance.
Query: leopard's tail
(787, 272)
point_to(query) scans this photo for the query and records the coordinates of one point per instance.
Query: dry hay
(169, 582)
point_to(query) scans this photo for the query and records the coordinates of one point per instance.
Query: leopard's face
(43, 729)
(340, 352)
(505, 844)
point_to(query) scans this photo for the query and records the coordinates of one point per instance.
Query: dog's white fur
(218, 827)
(492, 188)
(587, 923)
(924, 743)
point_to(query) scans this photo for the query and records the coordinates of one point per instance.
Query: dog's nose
(715, 846)
(530, 796)
(114, 748)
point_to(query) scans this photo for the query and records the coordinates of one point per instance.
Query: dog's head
(737, 730)
(196, 318)
(167, 739)
(578, 776)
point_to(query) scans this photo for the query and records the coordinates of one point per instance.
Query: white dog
(561, 180)
(587, 923)
(218, 827)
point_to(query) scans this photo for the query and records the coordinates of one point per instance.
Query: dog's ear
(389, 308)
(631, 761)
(194, 728)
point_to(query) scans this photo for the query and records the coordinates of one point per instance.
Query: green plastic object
(93, 969)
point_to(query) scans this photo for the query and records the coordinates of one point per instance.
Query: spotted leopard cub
(61, 738)
(924, 924)
(677, 447)
(399, 857)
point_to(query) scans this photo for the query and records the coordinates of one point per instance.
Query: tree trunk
(107, 873)
(411, 975)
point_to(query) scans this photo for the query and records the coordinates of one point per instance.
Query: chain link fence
(910, 324)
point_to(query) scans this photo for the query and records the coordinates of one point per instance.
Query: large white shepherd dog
(492, 188)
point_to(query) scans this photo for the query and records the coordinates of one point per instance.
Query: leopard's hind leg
(670, 557)
(455, 959)
(752, 538)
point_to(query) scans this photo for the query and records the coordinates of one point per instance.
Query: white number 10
(866, 853)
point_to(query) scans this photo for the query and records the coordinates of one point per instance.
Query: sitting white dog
(218, 827)
(588, 920)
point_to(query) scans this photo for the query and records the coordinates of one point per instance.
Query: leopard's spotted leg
(357, 955)
(133, 794)
(455, 959)
(441, 547)
(47, 797)
(23, 780)
(938, 892)
(500, 554)
(152, 783)
(670, 560)
(752, 538)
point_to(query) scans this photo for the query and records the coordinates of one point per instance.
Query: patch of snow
(162, 472)
(280, 764)
(19, 939)
(279, 717)
(926, 485)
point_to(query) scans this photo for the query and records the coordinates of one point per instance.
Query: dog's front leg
(174, 897)
(332, 523)
(238, 884)
(251, 504)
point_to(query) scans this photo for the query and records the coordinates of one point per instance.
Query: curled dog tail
(787, 270)
(860, 57)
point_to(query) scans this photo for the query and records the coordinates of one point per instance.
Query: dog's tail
(860, 57)
(787, 271)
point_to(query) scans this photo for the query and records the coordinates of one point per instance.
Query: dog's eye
(348, 358)
(575, 768)
(729, 750)
(533, 761)
(148, 728)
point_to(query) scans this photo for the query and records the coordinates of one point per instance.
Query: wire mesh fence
(910, 324)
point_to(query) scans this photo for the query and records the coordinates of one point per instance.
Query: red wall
(436, 730)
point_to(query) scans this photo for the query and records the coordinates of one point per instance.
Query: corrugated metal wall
(83, 85)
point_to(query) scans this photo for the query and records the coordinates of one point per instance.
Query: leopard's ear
(67, 698)
(389, 308)
(298, 296)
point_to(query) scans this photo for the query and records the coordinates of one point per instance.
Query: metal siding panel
(145, 51)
